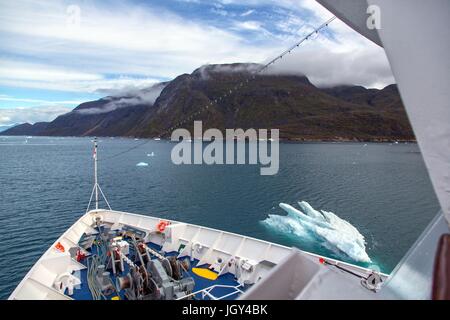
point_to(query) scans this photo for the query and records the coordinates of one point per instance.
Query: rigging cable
(230, 91)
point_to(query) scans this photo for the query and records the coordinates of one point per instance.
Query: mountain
(96, 119)
(291, 103)
(26, 129)
(109, 116)
(4, 128)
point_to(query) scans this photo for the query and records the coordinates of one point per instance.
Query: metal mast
(95, 173)
(96, 190)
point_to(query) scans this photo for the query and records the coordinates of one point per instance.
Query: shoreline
(294, 140)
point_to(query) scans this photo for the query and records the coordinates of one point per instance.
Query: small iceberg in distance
(151, 154)
(142, 164)
(322, 225)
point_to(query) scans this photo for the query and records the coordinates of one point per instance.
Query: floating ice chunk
(287, 224)
(321, 225)
(151, 154)
(142, 164)
(310, 211)
(303, 218)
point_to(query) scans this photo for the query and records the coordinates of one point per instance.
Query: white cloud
(206, 70)
(10, 69)
(147, 44)
(39, 76)
(249, 25)
(220, 11)
(39, 101)
(11, 116)
(128, 97)
(344, 58)
(247, 13)
(326, 68)
(5, 120)
(118, 39)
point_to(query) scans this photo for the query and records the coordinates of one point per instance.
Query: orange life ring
(59, 247)
(162, 226)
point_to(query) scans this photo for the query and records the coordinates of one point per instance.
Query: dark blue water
(382, 189)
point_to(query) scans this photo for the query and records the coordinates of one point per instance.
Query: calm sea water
(381, 189)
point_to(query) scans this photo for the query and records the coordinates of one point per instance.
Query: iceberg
(326, 226)
(142, 164)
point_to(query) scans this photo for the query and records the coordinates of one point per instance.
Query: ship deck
(238, 259)
(225, 287)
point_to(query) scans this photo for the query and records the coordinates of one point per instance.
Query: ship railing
(206, 292)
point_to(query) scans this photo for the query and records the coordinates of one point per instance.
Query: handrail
(206, 292)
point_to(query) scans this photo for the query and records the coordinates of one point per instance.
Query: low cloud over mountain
(291, 103)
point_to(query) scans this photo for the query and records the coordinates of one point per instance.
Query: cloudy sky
(57, 54)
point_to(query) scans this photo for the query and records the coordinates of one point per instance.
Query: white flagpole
(95, 174)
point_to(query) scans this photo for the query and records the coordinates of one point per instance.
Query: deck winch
(160, 280)
(140, 272)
